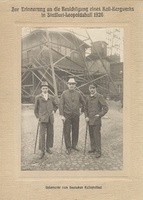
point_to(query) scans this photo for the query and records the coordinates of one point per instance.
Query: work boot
(68, 151)
(75, 148)
(49, 151)
(42, 153)
(91, 151)
(98, 155)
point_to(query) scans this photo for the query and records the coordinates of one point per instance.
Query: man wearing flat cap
(96, 107)
(45, 106)
(70, 104)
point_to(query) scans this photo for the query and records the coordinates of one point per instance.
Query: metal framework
(41, 70)
(114, 41)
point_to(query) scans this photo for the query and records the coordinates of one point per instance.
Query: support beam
(92, 81)
(26, 76)
(51, 62)
(70, 73)
(86, 67)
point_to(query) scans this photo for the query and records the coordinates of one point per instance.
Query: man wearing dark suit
(96, 107)
(70, 103)
(45, 106)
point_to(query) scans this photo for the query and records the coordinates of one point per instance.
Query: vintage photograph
(72, 99)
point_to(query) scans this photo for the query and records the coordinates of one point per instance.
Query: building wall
(99, 46)
(97, 66)
(117, 71)
(117, 76)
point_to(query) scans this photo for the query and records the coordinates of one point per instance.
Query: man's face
(44, 89)
(71, 86)
(92, 90)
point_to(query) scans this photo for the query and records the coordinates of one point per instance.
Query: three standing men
(72, 105)
(96, 107)
(45, 106)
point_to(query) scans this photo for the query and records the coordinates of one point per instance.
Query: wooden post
(51, 62)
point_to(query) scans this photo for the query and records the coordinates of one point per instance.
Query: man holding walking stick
(45, 106)
(70, 103)
(96, 107)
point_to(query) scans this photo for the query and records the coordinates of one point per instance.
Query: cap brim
(44, 85)
(92, 86)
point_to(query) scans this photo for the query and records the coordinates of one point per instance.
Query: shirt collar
(93, 95)
(43, 95)
(71, 90)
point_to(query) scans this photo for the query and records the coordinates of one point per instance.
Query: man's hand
(87, 119)
(37, 116)
(96, 117)
(63, 118)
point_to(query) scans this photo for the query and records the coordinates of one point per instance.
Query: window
(63, 50)
(120, 88)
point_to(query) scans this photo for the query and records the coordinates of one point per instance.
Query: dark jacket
(95, 105)
(44, 109)
(71, 102)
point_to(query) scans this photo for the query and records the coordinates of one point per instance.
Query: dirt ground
(112, 144)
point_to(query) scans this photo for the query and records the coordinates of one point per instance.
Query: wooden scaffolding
(42, 64)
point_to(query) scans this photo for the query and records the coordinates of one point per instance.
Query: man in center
(72, 105)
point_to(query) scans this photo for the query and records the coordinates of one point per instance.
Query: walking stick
(36, 137)
(85, 138)
(62, 138)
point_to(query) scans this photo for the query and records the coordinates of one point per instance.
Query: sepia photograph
(72, 99)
